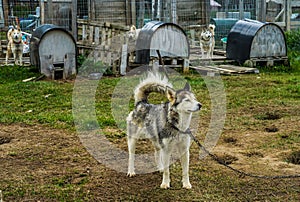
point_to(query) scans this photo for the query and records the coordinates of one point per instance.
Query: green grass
(50, 102)
(252, 100)
(43, 102)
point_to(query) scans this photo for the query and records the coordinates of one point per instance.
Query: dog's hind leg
(132, 136)
(131, 141)
(158, 158)
(7, 55)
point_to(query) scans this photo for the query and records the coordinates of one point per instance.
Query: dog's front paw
(165, 186)
(187, 185)
(131, 174)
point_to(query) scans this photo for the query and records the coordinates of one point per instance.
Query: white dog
(207, 41)
(133, 34)
(166, 125)
(15, 45)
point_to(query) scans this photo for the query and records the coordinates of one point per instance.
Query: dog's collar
(18, 42)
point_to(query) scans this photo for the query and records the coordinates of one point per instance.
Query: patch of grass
(16, 73)
(268, 116)
(282, 141)
(294, 157)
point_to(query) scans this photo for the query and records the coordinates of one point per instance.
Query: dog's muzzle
(197, 109)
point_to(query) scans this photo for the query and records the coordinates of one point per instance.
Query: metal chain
(241, 173)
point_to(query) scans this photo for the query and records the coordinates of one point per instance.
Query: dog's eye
(187, 100)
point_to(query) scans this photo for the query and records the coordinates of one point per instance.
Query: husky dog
(166, 125)
(207, 41)
(15, 45)
(132, 34)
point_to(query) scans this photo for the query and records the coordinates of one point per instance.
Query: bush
(293, 46)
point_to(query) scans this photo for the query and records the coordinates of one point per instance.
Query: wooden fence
(103, 40)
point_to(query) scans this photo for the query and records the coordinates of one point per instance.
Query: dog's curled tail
(154, 82)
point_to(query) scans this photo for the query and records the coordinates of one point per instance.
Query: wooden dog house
(250, 39)
(53, 51)
(168, 38)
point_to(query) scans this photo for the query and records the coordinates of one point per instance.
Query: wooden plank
(124, 59)
(91, 34)
(84, 32)
(221, 70)
(240, 69)
(185, 67)
(97, 35)
(205, 70)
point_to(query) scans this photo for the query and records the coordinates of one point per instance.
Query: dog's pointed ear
(187, 87)
(133, 28)
(171, 94)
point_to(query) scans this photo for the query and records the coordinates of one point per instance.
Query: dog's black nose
(199, 105)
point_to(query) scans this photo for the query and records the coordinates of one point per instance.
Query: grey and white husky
(166, 125)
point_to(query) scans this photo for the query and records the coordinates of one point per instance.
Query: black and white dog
(207, 41)
(166, 125)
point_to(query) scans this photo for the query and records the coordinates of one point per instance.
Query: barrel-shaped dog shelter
(168, 38)
(250, 39)
(53, 51)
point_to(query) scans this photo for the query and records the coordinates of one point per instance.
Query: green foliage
(88, 66)
(293, 40)
(293, 45)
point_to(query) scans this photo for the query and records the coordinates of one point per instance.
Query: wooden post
(133, 12)
(263, 11)
(288, 10)
(257, 7)
(153, 10)
(6, 11)
(186, 66)
(226, 8)
(241, 7)
(93, 10)
(50, 11)
(124, 58)
(174, 11)
(207, 13)
(128, 13)
(74, 20)
(159, 6)
(141, 13)
(42, 2)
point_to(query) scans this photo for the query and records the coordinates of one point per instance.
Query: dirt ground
(43, 164)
